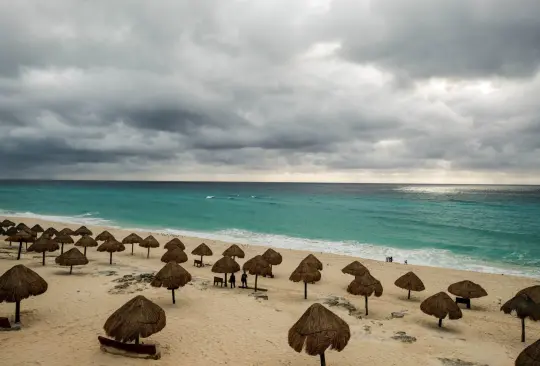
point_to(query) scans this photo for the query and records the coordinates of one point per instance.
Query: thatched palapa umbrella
(7, 223)
(202, 250)
(138, 318)
(273, 258)
(37, 228)
(355, 269)
(226, 265)
(63, 239)
(533, 292)
(66, 231)
(440, 305)
(530, 356)
(175, 242)
(257, 266)
(19, 283)
(72, 257)
(21, 237)
(234, 251)
(132, 239)
(172, 276)
(104, 236)
(305, 273)
(111, 246)
(174, 255)
(411, 282)
(313, 261)
(42, 245)
(51, 231)
(82, 231)
(467, 290)
(149, 242)
(86, 241)
(366, 286)
(319, 329)
(524, 307)
(11, 231)
(22, 226)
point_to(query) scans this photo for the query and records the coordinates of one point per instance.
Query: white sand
(215, 326)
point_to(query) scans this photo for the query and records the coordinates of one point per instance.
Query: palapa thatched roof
(7, 223)
(139, 317)
(365, 285)
(410, 281)
(313, 261)
(66, 231)
(467, 289)
(175, 242)
(33, 234)
(440, 305)
(234, 251)
(533, 292)
(51, 231)
(132, 239)
(37, 228)
(319, 329)
(63, 239)
(22, 226)
(86, 242)
(12, 231)
(21, 236)
(202, 249)
(111, 246)
(19, 283)
(43, 244)
(305, 273)
(524, 307)
(272, 257)
(226, 265)
(83, 230)
(72, 257)
(171, 276)
(530, 356)
(355, 269)
(149, 242)
(257, 266)
(104, 236)
(174, 255)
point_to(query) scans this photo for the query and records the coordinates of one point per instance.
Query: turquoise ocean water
(483, 228)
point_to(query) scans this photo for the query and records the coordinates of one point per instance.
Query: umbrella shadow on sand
(447, 329)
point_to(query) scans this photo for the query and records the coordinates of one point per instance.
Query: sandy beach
(216, 326)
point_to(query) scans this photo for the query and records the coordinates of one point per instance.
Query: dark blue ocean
(483, 228)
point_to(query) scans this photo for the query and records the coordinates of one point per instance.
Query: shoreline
(349, 248)
(215, 326)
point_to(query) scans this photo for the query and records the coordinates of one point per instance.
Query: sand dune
(215, 326)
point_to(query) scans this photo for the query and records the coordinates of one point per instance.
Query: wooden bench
(461, 300)
(197, 263)
(218, 281)
(141, 349)
(4, 323)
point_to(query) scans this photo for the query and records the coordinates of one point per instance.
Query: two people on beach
(391, 259)
(232, 280)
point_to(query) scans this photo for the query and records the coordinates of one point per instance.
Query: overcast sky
(271, 90)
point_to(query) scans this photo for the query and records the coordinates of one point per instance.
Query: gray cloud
(250, 89)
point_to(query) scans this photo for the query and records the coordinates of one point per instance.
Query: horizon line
(261, 182)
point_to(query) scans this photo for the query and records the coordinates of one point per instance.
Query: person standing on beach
(232, 280)
(244, 280)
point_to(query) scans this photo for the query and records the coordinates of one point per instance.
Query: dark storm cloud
(426, 38)
(131, 87)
